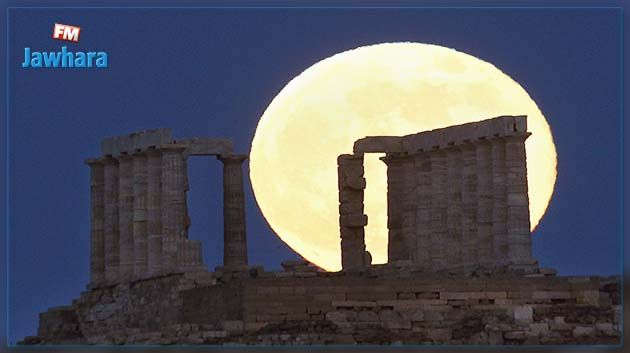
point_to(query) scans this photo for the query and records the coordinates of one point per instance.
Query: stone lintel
(378, 144)
(173, 147)
(232, 158)
(135, 141)
(501, 126)
(141, 141)
(202, 146)
(92, 161)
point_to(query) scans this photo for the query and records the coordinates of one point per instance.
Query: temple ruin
(456, 197)
(460, 268)
(139, 211)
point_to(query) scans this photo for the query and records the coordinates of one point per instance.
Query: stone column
(424, 196)
(173, 203)
(234, 228)
(154, 211)
(518, 225)
(485, 203)
(110, 224)
(453, 196)
(140, 227)
(437, 224)
(397, 244)
(409, 208)
(352, 220)
(125, 216)
(97, 220)
(499, 208)
(469, 204)
(187, 221)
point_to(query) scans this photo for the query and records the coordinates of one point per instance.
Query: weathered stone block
(138, 140)
(353, 220)
(580, 331)
(539, 328)
(203, 146)
(378, 144)
(523, 314)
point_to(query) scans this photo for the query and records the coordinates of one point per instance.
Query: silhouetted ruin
(460, 267)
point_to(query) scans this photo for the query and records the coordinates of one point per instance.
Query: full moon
(385, 89)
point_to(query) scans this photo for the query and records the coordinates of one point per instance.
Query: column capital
(172, 148)
(108, 160)
(123, 157)
(94, 161)
(395, 158)
(152, 152)
(139, 153)
(468, 145)
(232, 158)
(518, 137)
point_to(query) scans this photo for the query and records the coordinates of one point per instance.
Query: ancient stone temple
(139, 212)
(460, 269)
(456, 197)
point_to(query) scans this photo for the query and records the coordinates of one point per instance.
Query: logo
(64, 58)
(66, 32)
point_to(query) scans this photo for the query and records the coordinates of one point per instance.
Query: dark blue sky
(212, 72)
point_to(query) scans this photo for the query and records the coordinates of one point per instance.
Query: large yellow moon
(384, 89)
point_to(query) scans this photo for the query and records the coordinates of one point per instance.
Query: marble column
(397, 247)
(454, 205)
(187, 222)
(469, 204)
(485, 202)
(97, 219)
(352, 220)
(154, 211)
(437, 224)
(110, 223)
(518, 224)
(409, 208)
(499, 208)
(140, 228)
(424, 197)
(234, 228)
(173, 203)
(125, 216)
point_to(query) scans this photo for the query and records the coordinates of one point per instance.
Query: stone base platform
(302, 306)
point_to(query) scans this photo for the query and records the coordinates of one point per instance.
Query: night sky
(212, 72)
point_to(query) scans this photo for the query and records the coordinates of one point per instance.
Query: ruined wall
(132, 313)
(456, 197)
(301, 306)
(139, 212)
